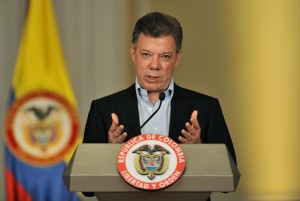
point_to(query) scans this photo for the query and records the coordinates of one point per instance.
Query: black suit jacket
(183, 103)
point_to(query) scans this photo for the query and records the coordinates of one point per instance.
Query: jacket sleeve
(96, 126)
(95, 131)
(217, 131)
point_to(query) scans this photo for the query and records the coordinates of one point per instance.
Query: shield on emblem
(151, 161)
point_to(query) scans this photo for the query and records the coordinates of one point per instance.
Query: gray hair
(157, 24)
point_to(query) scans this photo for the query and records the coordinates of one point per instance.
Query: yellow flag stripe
(40, 64)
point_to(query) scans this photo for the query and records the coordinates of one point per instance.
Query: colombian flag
(42, 125)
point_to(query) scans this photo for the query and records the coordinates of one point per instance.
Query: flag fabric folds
(42, 125)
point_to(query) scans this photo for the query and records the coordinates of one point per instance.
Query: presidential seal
(41, 128)
(151, 161)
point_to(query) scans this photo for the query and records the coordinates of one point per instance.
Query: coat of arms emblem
(41, 128)
(151, 161)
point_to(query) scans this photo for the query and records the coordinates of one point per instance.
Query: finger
(122, 137)
(115, 132)
(191, 134)
(115, 129)
(119, 130)
(185, 133)
(115, 122)
(188, 136)
(194, 119)
(114, 137)
(196, 131)
(183, 140)
(190, 128)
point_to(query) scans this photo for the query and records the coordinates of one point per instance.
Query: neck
(153, 97)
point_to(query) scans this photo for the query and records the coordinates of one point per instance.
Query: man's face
(155, 60)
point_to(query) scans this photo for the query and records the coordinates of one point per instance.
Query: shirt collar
(142, 93)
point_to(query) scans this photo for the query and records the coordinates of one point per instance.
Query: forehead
(153, 44)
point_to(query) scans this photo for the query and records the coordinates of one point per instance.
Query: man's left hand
(193, 131)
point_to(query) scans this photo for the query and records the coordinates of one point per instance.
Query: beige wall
(246, 53)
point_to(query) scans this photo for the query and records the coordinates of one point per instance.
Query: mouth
(152, 78)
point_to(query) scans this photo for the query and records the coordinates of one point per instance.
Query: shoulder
(119, 96)
(190, 100)
(181, 93)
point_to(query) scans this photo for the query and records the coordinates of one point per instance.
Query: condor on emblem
(151, 161)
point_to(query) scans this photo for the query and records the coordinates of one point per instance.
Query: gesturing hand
(115, 133)
(193, 132)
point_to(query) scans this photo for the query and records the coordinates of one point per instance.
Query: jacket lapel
(128, 111)
(179, 113)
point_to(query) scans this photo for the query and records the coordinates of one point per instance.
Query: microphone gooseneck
(162, 96)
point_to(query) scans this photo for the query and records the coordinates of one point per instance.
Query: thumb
(194, 119)
(115, 120)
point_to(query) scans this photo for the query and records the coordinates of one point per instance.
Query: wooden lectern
(209, 168)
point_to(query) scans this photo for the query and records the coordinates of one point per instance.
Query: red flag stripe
(15, 191)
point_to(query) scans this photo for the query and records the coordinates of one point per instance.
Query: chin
(154, 87)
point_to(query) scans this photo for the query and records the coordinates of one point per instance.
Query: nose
(154, 65)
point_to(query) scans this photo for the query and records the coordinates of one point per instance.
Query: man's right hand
(115, 133)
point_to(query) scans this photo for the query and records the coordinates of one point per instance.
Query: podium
(209, 168)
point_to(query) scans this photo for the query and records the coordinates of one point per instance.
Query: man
(185, 116)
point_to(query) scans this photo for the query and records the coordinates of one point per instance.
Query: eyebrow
(160, 54)
(145, 50)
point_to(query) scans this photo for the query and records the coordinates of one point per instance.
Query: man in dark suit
(185, 116)
(124, 106)
(192, 117)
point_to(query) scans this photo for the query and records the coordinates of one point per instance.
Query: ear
(132, 52)
(178, 57)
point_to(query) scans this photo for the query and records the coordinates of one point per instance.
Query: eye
(145, 55)
(166, 57)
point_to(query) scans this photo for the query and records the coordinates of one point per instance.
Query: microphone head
(162, 96)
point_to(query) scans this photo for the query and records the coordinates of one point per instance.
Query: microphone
(162, 96)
